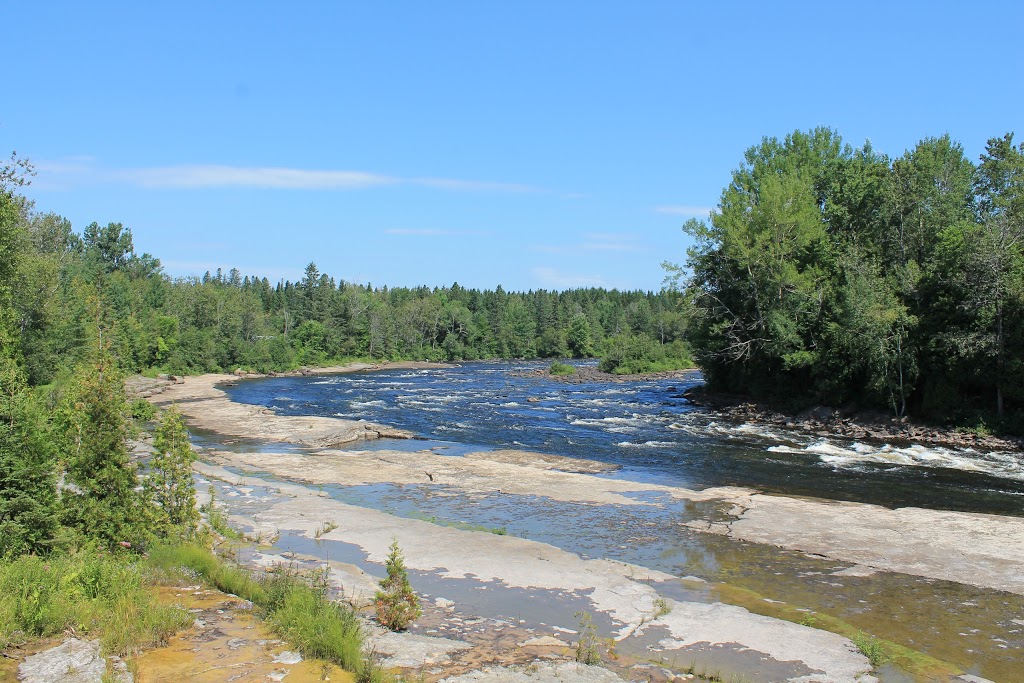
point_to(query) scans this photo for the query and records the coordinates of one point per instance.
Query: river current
(647, 429)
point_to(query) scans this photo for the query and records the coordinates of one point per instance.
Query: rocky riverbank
(590, 374)
(826, 421)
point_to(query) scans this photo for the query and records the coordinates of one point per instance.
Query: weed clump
(587, 650)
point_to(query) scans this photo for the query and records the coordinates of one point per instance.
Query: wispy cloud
(550, 278)
(609, 241)
(252, 177)
(616, 242)
(77, 171)
(684, 210)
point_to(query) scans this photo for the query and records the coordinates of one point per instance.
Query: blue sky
(527, 144)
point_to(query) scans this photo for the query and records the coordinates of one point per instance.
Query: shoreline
(989, 548)
(979, 551)
(830, 422)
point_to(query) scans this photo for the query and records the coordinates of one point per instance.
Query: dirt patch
(227, 642)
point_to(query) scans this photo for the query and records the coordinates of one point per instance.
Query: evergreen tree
(99, 497)
(396, 604)
(169, 482)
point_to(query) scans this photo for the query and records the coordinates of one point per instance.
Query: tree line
(836, 274)
(62, 282)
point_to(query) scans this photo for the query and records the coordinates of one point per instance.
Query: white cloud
(251, 176)
(550, 278)
(611, 241)
(683, 210)
(77, 171)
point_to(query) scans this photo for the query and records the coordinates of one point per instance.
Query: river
(648, 429)
(653, 434)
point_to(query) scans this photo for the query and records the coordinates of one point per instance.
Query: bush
(561, 369)
(396, 604)
(629, 354)
(142, 410)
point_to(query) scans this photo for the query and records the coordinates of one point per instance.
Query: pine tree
(396, 604)
(99, 497)
(169, 482)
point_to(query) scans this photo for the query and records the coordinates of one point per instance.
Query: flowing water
(653, 434)
(651, 431)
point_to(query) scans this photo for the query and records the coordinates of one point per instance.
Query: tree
(998, 255)
(110, 247)
(169, 481)
(28, 486)
(99, 497)
(396, 604)
(579, 338)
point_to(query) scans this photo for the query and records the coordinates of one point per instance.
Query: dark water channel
(655, 436)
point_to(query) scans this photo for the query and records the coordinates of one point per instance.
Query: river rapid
(653, 435)
(650, 431)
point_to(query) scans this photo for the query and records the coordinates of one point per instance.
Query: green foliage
(588, 646)
(92, 592)
(871, 648)
(168, 481)
(557, 368)
(99, 499)
(142, 410)
(628, 354)
(28, 502)
(396, 604)
(835, 275)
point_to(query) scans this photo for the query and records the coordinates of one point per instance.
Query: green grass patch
(93, 593)
(463, 526)
(877, 650)
(297, 608)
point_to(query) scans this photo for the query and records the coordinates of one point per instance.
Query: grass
(463, 526)
(871, 648)
(216, 517)
(297, 609)
(90, 593)
(877, 650)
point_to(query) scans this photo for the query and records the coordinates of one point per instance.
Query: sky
(549, 144)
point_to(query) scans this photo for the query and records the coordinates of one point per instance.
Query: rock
(411, 651)
(544, 641)
(443, 603)
(288, 657)
(547, 672)
(73, 661)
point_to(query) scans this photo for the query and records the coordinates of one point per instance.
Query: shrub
(396, 604)
(561, 369)
(587, 651)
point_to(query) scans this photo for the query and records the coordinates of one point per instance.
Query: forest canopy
(835, 274)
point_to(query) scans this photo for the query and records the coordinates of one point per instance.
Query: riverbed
(667, 475)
